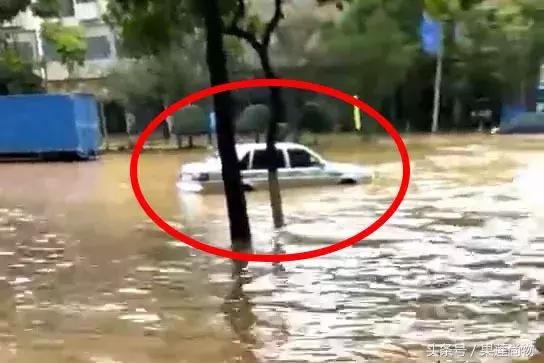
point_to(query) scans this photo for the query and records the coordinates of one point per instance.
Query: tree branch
(239, 14)
(273, 23)
(246, 35)
(234, 28)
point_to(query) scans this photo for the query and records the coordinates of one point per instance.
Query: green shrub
(315, 119)
(190, 121)
(253, 119)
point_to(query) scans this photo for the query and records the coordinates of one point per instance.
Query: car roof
(245, 147)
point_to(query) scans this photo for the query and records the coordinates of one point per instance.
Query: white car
(297, 166)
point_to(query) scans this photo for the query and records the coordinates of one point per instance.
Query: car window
(260, 160)
(302, 159)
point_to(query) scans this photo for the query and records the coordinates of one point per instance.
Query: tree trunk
(393, 109)
(223, 103)
(293, 132)
(210, 139)
(166, 125)
(457, 112)
(45, 76)
(178, 141)
(278, 114)
(191, 145)
(523, 93)
(104, 124)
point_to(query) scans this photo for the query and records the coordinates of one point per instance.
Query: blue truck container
(49, 126)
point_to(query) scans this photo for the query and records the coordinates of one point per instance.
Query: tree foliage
(47, 8)
(16, 76)
(147, 27)
(499, 48)
(190, 120)
(69, 42)
(11, 8)
(370, 39)
(254, 118)
(493, 49)
(164, 77)
(315, 118)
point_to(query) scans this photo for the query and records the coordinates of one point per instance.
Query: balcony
(87, 10)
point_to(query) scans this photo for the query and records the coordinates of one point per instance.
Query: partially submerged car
(297, 166)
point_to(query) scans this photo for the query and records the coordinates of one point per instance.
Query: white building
(24, 32)
(102, 52)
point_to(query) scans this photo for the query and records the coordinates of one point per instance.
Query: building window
(98, 48)
(25, 50)
(50, 52)
(66, 8)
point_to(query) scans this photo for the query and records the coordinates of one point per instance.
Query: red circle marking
(308, 86)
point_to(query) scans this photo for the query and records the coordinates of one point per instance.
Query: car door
(305, 168)
(257, 175)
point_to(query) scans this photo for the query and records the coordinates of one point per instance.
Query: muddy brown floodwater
(86, 277)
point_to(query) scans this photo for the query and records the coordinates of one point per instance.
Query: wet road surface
(86, 277)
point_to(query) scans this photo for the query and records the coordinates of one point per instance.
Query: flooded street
(85, 276)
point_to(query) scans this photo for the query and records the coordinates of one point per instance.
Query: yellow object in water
(357, 117)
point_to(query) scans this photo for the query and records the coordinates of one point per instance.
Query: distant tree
(189, 121)
(17, 76)
(253, 119)
(11, 8)
(69, 42)
(373, 43)
(162, 78)
(152, 28)
(497, 55)
(47, 9)
(315, 119)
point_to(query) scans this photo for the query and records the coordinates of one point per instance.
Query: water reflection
(238, 308)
